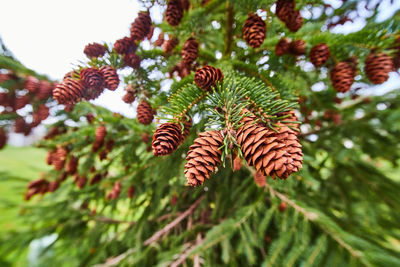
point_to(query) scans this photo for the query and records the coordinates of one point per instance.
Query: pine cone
(72, 165)
(190, 51)
(151, 32)
(207, 77)
(145, 114)
(45, 90)
(32, 84)
(186, 128)
(294, 21)
(40, 114)
(132, 60)
(21, 126)
(282, 47)
(125, 45)
(260, 179)
(80, 181)
(170, 44)
(166, 139)
(141, 26)
(115, 191)
(90, 118)
(145, 138)
(59, 157)
(53, 186)
(174, 12)
(94, 50)
(272, 153)
(284, 8)
(21, 102)
(3, 138)
(100, 134)
(237, 164)
(111, 78)
(110, 144)
(160, 40)
(254, 30)
(69, 91)
(203, 157)
(377, 67)
(92, 78)
(131, 191)
(297, 47)
(319, 55)
(129, 97)
(96, 179)
(342, 76)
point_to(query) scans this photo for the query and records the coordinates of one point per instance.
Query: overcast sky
(49, 36)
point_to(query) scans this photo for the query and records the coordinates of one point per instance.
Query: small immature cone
(160, 40)
(282, 207)
(297, 47)
(170, 44)
(111, 79)
(342, 76)
(131, 191)
(100, 134)
(115, 191)
(140, 28)
(3, 138)
(166, 139)
(254, 30)
(237, 164)
(145, 138)
(207, 77)
(151, 32)
(203, 157)
(294, 21)
(132, 60)
(319, 55)
(260, 179)
(54, 185)
(96, 179)
(129, 97)
(282, 47)
(72, 165)
(125, 45)
(174, 12)
(80, 181)
(190, 51)
(284, 8)
(94, 50)
(90, 118)
(59, 157)
(145, 114)
(377, 67)
(45, 89)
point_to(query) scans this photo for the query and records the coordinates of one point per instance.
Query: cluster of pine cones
(285, 11)
(23, 91)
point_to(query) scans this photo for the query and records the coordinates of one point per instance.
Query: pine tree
(333, 206)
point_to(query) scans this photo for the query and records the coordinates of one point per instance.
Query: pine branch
(229, 20)
(187, 253)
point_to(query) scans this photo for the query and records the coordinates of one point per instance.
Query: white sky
(49, 36)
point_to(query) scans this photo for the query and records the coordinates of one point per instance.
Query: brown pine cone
(94, 50)
(69, 91)
(40, 114)
(151, 32)
(282, 47)
(132, 60)
(115, 191)
(342, 76)
(170, 44)
(174, 12)
(260, 179)
(92, 78)
(145, 114)
(186, 128)
(297, 47)
(207, 77)
(103, 155)
(160, 40)
(3, 138)
(166, 139)
(20, 125)
(141, 26)
(32, 84)
(96, 179)
(270, 152)
(110, 144)
(190, 51)
(319, 55)
(254, 30)
(80, 181)
(294, 21)
(45, 90)
(237, 164)
(129, 97)
(90, 118)
(203, 157)
(111, 78)
(72, 165)
(185, 4)
(54, 185)
(59, 157)
(145, 138)
(100, 133)
(125, 45)
(131, 191)
(377, 67)
(290, 120)
(284, 8)
(21, 102)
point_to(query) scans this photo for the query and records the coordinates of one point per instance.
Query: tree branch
(229, 20)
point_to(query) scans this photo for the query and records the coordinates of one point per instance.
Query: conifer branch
(187, 253)
(242, 67)
(229, 20)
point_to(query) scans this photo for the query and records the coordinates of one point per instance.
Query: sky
(49, 36)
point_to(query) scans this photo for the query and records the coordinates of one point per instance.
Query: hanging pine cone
(96, 179)
(54, 185)
(174, 12)
(141, 26)
(297, 47)
(111, 78)
(319, 55)
(90, 118)
(203, 157)
(160, 40)
(21, 102)
(282, 47)
(145, 114)
(284, 8)
(166, 139)
(377, 67)
(21, 126)
(40, 114)
(260, 179)
(32, 84)
(125, 45)
(254, 30)
(151, 32)
(129, 97)
(145, 138)
(277, 154)
(186, 128)
(190, 51)
(69, 91)
(342, 76)
(294, 21)
(185, 4)
(207, 77)
(94, 50)
(80, 181)
(72, 165)
(170, 44)
(132, 60)
(115, 191)
(3, 138)
(45, 90)
(100, 134)
(237, 164)
(131, 191)
(92, 78)
(59, 157)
